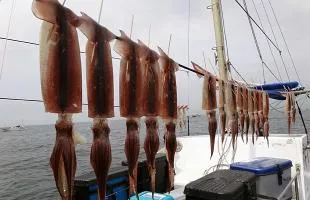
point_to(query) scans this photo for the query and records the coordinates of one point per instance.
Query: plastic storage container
(148, 196)
(222, 185)
(273, 175)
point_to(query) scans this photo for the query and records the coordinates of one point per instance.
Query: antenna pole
(219, 37)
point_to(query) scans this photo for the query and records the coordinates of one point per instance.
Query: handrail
(288, 186)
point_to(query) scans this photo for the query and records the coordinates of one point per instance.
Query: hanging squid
(209, 105)
(245, 128)
(251, 112)
(239, 100)
(288, 109)
(185, 109)
(131, 101)
(180, 116)
(260, 112)
(266, 115)
(256, 107)
(230, 98)
(61, 84)
(221, 101)
(100, 94)
(151, 99)
(168, 109)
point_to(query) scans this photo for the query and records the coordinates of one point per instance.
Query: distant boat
(13, 128)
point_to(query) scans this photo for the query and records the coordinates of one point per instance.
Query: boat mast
(219, 37)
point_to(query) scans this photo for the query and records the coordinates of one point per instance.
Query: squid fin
(198, 69)
(46, 10)
(88, 27)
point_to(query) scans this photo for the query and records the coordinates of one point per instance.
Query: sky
(21, 70)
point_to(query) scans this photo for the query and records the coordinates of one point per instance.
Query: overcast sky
(21, 64)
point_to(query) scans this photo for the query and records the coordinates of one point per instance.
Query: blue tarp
(275, 94)
(274, 86)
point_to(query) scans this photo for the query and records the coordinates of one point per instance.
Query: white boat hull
(193, 161)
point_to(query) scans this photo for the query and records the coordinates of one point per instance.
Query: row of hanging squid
(147, 88)
(241, 108)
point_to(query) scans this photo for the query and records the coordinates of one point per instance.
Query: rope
(255, 40)
(269, 46)
(64, 2)
(257, 25)
(283, 63)
(6, 41)
(286, 45)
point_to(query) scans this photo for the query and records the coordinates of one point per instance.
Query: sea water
(24, 155)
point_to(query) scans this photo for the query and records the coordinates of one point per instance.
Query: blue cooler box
(148, 196)
(272, 175)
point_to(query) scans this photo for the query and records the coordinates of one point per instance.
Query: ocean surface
(24, 155)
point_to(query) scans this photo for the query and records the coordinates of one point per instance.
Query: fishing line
(149, 39)
(169, 43)
(30, 100)
(131, 27)
(100, 11)
(6, 41)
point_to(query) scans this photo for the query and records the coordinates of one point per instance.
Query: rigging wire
(257, 25)
(238, 73)
(263, 63)
(255, 40)
(268, 42)
(286, 45)
(275, 39)
(6, 41)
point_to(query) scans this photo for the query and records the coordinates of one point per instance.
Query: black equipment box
(223, 185)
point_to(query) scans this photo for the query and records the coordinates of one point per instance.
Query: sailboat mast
(219, 37)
